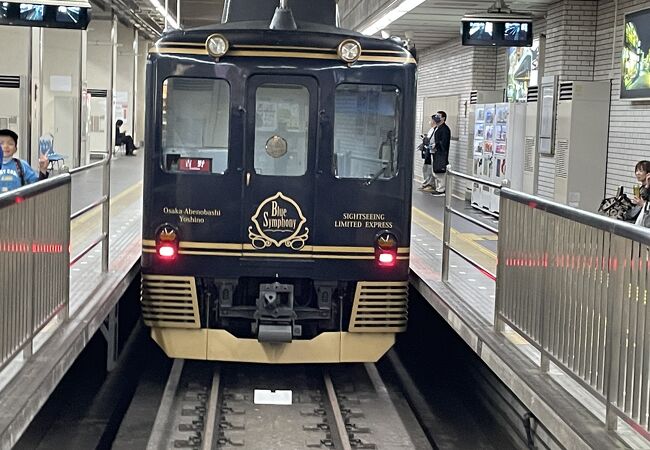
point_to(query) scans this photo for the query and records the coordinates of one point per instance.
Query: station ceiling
(431, 23)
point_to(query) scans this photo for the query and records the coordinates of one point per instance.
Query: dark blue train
(277, 195)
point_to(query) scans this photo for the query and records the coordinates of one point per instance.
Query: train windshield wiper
(376, 176)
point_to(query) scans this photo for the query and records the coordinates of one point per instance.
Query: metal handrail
(618, 227)
(88, 249)
(103, 238)
(473, 179)
(89, 208)
(90, 166)
(449, 211)
(31, 190)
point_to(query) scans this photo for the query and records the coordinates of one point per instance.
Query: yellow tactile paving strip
(463, 242)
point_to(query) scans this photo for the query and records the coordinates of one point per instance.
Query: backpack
(21, 171)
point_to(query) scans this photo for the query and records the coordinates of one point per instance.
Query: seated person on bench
(123, 138)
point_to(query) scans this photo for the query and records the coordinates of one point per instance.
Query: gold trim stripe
(281, 54)
(276, 47)
(178, 51)
(192, 44)
(238, 247)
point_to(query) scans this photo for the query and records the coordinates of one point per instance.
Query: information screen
(517, 32)
(195, 165)
(48, 16)
(68, 14)
(31, 13)
(481, 31)
(498, 33)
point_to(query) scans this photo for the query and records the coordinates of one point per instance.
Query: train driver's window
(281, 130)
(366, 128)
(195, 125)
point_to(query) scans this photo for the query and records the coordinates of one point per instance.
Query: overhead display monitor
(72, 14)
(478, 33)
(635, 66)
(518, 33)
(497, 32)
(68, 14)
(31, 12)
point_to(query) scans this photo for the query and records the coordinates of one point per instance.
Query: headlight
(349, 51)
(217, 45)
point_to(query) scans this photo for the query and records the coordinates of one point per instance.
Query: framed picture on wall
(635, 58)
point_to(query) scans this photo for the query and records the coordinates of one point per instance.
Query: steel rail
(158, 440)
(339, 422)
(211, 428)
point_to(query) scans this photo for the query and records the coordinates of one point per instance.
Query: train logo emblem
(278, 222)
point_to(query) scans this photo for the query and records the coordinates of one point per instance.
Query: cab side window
(366, 131)
(195, 125)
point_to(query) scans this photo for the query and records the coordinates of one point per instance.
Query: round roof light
(217, 45)
(349, 51)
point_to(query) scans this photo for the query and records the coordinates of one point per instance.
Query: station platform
(466, 302)
(27, 382)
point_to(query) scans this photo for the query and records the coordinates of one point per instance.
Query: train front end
(277, 195)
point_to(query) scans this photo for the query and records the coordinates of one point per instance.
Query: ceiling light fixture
(393, 12)
(161, 9)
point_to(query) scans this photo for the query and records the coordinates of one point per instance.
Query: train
(277, 188)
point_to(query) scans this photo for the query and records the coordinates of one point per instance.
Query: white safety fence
(34, 258)
(575, 285)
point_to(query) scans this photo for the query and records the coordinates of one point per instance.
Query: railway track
(208, 406)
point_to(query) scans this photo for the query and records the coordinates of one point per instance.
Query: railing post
(544, 308)
(106, 185)
(615, 296)
(446, 238)
(499, 326)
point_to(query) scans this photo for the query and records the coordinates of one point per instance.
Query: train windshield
(366, 128)
(195, 125)
(281, 130)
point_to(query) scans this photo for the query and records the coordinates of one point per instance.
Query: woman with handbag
(641, 198)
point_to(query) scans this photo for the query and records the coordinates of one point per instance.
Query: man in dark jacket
(123, 138)
(441, 142)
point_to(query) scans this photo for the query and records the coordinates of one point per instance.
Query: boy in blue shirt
(15, 172)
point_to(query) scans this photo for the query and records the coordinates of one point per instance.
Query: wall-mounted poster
(635, 66)
(523, 71)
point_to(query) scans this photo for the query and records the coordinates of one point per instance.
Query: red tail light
(386, 259)
(386, 250)
(167, 251)
(167, 242)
